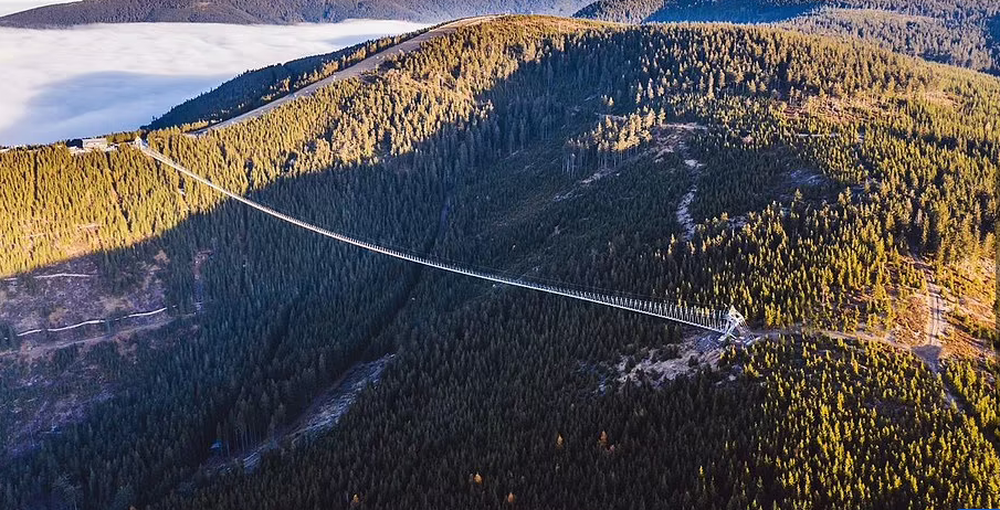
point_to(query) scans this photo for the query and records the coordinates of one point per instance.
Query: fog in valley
(12, 6)
(94, 79)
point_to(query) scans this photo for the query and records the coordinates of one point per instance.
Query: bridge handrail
(681, 314)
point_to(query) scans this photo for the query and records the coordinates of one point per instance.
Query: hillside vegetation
(794, 176)
(260, 86)
(957, 32)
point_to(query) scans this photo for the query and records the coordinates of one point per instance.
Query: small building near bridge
(89, 144)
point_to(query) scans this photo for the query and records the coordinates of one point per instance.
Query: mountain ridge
(965, 33)
(281, 12)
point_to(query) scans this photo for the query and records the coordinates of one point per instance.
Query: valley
(841, 196)
(97, 79)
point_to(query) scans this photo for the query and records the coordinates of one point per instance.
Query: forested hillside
(260, 86)
(814, 184)
(957, 32)
(276, 12)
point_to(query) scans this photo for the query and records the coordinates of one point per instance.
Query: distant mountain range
(965, 33)
(275, 12)
(771, 10)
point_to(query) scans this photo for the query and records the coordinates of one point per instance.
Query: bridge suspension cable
(728, 323)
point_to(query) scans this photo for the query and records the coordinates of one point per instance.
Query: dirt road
(935, 328)
(935, 323)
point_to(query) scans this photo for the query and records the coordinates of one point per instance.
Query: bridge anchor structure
(729, 324)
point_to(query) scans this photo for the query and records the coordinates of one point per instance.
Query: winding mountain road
(369, 64)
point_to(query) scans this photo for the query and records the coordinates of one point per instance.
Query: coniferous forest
(816, 184)
(957, 32)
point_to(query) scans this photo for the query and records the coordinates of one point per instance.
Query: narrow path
(369, 64)
(683, 213)
(90, 322)
(33, 351)
(936, 325)
(52, 276)
(677, 142)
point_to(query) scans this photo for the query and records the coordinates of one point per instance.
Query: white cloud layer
(12, 6)
(95, 79)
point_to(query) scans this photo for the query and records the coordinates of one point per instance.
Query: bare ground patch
(52, 378)
(72, 292)
(663, 364)
(324, 413)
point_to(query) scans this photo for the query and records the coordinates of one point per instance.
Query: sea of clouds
(94, 79)
(12, 6)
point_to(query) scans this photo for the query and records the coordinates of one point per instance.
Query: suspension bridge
(730, 324)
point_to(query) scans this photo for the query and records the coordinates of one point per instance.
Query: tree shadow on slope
(284, 312)
(288, 310)
(488, 380)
